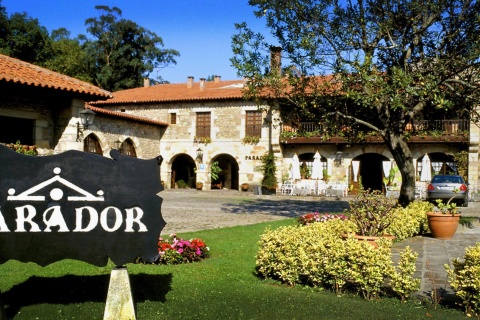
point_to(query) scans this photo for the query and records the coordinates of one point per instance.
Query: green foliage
(119, 56)
(410, 221)
(23, 37)
(461, 158)
(305, 170)
(402, 281)
(464, 278)
(68, 56)
(182, 184)
(390, 65)
(122, 53)
(215, 170)
(372, 212)
(221, 287)
(251, 139)
(23, 149)
(269, 170)
(316, 255)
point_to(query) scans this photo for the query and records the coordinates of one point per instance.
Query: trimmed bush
(464, 279)
(410, 221)
(316, 255)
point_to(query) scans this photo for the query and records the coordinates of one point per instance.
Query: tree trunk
(403, 158)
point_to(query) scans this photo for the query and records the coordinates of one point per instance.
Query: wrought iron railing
(417, 127)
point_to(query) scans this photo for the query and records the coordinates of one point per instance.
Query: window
(173, 118)
(253, 124)
(92, 145)
(128, 148)
(203, 125)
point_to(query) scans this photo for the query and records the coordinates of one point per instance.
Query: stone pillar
(473, 171)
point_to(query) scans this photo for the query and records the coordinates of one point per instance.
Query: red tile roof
(126, 116)
(221, 90)
(17, 71)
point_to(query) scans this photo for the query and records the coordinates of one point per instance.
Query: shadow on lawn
(77, 289)
(287, 207)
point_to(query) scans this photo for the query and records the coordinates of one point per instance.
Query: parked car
(445, 187)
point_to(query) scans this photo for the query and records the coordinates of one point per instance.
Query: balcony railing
(417, 128)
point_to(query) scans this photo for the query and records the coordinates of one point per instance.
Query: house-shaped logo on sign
(55, 193)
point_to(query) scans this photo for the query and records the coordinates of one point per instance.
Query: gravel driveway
(188, 210)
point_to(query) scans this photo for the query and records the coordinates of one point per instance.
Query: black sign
(78, 205)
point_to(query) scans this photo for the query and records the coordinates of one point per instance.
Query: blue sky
(200, 29)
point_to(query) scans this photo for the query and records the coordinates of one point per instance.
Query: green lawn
(221, 287)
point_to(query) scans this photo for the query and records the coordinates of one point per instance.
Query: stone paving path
(192, 210)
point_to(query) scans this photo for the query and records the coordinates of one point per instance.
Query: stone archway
(183, 169)
(228, 177)
(370, 173)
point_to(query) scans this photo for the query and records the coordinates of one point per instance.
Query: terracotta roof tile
(126, 116)
(17, 71)
(222, 90)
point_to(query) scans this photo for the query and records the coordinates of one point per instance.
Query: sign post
(119, 304)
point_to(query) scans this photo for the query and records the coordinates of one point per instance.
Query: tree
(368, 64)
(22, 37)
(122, 53)
(68, 56)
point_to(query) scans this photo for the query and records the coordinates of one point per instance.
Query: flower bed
(174, 250)
(309, 218)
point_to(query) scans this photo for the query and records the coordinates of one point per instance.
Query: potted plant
(443, 223)
(199, 185)
(244, 186)
(373, 213)
(304, 171)
(269, 181)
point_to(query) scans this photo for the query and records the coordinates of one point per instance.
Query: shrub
(177, 250)
(410, 221)
(182, 184)
(372, 212)
(316, 255)
(402, 281)
(464, 279)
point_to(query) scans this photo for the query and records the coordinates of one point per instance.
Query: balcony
(421, 131)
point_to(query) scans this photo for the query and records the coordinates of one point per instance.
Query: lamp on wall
(338, 158)
(200, 155)
(86, 118)
(118, 144)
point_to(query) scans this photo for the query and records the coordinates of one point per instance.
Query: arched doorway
(228, 177)
(370, 172)
(307, 160)
(441, 163)
(183, 172)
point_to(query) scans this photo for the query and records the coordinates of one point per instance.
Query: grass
(221, 287)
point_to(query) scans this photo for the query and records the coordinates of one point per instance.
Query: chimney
(202, 83)
(275, 60)
(216, 79)
(189, 82)
(146, 82)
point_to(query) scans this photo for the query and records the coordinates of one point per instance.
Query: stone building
(209, 122)
(42, 108)
(198, 125)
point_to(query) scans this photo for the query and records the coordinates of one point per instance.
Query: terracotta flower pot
(443, 226)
